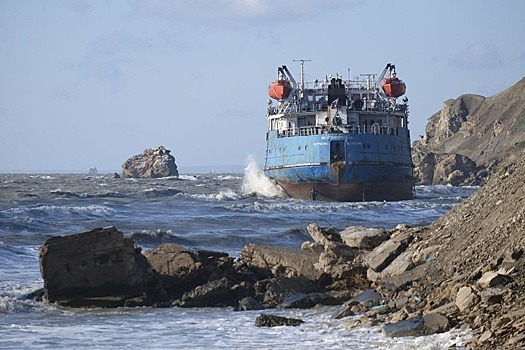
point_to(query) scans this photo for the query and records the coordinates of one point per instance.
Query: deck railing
(375, 129)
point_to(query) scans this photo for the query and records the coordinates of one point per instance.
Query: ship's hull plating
(342, 167)
(349, 192)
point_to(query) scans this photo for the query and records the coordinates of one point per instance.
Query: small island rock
(152, 163)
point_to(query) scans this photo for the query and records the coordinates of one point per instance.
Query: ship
(338, 139)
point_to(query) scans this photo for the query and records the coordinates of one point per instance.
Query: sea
(215, 211)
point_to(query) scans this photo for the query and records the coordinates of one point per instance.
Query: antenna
(302, 72)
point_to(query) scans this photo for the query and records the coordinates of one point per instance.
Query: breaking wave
(255, 182)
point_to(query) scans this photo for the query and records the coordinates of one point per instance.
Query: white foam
(256, 182)
(188, 177)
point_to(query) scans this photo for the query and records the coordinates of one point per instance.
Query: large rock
(363, 237)
(266, 260)
(182, 269)
(213, 293)
(417, 326)
(381, 257)
(152, 163)
(96, 268)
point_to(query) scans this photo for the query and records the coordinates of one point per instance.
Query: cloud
(230, 11)
(480, 56)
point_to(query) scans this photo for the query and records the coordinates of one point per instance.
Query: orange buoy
(394, 87)
(280, 89)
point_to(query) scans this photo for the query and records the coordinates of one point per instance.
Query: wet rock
(264, 320)
(96, 268)
(417, 326)
(213, 293)
(250, 303)
(182, 269)
(413, 327)
(278, 289)
(367, 299)
(297, 301)
(435, 323)
(152, 163)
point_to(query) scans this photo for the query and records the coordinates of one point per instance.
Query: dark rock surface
(95, 268)
(264, 320)
(152, 163)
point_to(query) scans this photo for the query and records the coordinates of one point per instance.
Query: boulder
(264, 320)
(213, 293)
(401, 264)
(182, 269)
(388, 251)
(297, 301)
(152, 163)
(250, 303)
(466, 298)
(266, 261)
(364, 238)
(417, 326)
(96, 268)
(368, 299)
(278, 289)
(492, 279)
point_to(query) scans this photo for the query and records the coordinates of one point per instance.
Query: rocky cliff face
(152, 163)
(469, 136)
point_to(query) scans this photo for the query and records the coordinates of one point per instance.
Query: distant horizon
(191, 169)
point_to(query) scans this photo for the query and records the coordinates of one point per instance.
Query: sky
(92, 83)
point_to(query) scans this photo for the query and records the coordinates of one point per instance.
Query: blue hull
(342, 167)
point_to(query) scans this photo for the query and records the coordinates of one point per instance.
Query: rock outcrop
(152, 163)
(96, 268)
(470, 135)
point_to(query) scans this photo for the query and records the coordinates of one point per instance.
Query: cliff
(471, 134)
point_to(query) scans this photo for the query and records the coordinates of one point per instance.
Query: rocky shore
(463, 271)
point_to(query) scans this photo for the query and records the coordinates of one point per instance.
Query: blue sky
(92, 83)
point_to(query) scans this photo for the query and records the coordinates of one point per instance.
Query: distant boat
(93, 171)
(339, 140)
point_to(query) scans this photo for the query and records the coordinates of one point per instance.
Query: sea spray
(256, 182)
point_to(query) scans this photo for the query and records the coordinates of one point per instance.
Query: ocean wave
(228, 177)
(255, 182)
(107, 194)
(444, 191)
(189, 177)
(293, 205)
(92, 209)
(223, 195)
(154, 238)
(154, 191)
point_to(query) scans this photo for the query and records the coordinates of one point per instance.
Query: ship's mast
(302, 73)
